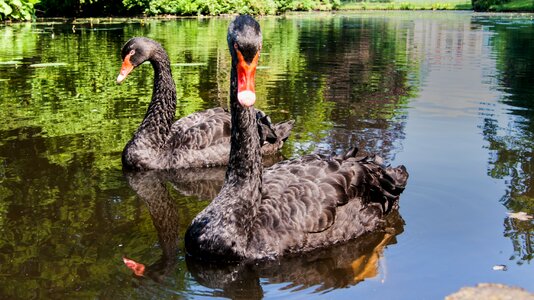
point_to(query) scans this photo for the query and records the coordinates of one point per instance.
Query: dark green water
(449, 95)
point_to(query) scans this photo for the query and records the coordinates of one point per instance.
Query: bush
(24, 9)
(79, 8)
(484, 5)
(407, 6)
(17, 9)
(217, 7)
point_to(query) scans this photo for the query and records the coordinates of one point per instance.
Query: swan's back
(211, 128)
(316, 200)
(202, 129)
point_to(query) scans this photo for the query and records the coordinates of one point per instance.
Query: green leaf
(5, 9)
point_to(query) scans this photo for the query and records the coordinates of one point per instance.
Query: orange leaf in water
(137, 268)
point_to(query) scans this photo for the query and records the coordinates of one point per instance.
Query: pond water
(449, 95)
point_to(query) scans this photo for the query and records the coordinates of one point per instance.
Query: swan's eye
(132, 52)
(236, 47)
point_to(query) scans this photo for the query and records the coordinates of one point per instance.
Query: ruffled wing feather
(302, 196)
(202, 129)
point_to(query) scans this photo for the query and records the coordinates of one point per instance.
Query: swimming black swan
(293, 206)
(201, 139)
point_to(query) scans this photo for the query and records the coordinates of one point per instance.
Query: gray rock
(491, 291)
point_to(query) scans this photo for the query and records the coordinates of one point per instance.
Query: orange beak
(126, 68)
(246, 94)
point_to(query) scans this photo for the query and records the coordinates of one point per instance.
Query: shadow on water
(323, 270)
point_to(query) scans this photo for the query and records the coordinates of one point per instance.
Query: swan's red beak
(126, 68)
(246, 94)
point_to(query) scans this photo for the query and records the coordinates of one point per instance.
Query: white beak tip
(246, 98)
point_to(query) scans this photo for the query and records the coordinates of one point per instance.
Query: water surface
(449, 95)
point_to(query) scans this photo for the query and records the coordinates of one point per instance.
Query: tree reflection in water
(510, 140)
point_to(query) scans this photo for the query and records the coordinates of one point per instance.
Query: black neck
(160, 114)
(241, 192)
(245, 165)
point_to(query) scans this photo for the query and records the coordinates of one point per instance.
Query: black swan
(201, 139)
(328, 268)
(293, 206)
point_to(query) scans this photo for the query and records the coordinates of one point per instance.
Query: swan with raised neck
(293, 206)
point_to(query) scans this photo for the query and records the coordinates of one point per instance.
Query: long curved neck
(231, 215)
(245, 164)
(240, 195)
(160, 114)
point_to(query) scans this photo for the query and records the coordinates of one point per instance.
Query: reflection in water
(150, 187)
(510, 139)
(335, 267)
(157, 191)
(347, 89)
(367, 91)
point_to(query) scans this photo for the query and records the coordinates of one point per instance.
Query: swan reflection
(330, 268)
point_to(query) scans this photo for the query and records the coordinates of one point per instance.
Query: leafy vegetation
(406, 5)
(28, 9)
(484, 5)
(217, 7)
(503, 5)
(96, 8)
(514, 5)
(17, 9)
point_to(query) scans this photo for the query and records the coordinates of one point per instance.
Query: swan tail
(387, 184)
(383, 184)
(265, 128)
(272, 136)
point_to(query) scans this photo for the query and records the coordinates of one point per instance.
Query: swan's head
(135, 52)
(244, 42)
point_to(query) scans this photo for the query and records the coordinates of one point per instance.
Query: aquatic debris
(500, 268)
(522, 216)
(44, 65)
(188, 64)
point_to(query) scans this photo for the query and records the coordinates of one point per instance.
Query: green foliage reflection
(66, 213)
